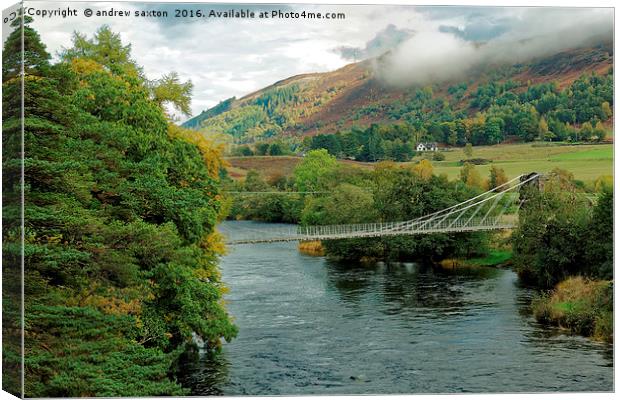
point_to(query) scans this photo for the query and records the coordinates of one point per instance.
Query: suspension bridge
(495, 209)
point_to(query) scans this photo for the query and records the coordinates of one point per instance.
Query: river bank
(580, 306)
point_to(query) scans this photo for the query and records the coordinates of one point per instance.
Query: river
(308, 325)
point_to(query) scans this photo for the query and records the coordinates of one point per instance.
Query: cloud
(442, 54)
(226, 58)
(384, 40)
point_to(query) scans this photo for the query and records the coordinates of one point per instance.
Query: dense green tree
(120, 249)
(106, 49)
(35, 55)
(394, 194)
(275, 149)
(600, 243)
(262, 149)
(311, 173)
(551, 221)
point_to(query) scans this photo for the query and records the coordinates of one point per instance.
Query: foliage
(469, 152)
(424, 169)
(120, 213)
(581, 305)
(310, 174)
(169, 89)
(437, 156)
(221, 107)
(497, 177)
(106, 50)
(496, 110)
(551, 221)
(257, 118)
(278, 203)
(390, 193)
(376, 143)
(470, 176)
(600, 246)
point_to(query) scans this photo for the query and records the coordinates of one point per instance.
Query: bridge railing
(487, 211)
(366, 230)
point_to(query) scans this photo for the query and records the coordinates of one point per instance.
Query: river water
(308, 325)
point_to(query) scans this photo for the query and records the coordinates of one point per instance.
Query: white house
(426, 147)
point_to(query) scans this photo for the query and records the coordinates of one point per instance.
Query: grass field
(586, 162)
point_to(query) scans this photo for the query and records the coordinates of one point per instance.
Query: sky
(226, 57)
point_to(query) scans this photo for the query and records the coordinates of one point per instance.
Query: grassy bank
(494, 258)
(579, 305)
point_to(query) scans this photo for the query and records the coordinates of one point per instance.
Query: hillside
(310, 104)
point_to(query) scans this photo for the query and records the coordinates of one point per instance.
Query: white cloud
(232, 57)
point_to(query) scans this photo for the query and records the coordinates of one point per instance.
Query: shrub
(580, 305)
(437, 156)
(476, 161)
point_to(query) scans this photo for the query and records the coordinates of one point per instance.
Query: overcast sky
(232, 57)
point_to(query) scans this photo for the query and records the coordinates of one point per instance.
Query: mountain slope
(315, 103)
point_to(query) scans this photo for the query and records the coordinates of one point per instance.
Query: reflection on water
(312, 326)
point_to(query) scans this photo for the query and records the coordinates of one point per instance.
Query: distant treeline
(497, 110)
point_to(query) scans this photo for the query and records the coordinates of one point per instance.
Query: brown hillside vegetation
(270, 166)
(331, 101)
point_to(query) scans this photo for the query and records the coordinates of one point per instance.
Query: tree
(599, 131)
(607, 109)
(497, 177)
(106, 48)
(311, 172)
(349, 204)
(424, 169)
(470, 176)
(468, 150)
(551, 221)
(121, 210)
(275, 149)
(604, 183)
(527, 123)
(452, 138)
(543, 130)
(493, 128)
(254, 182)
(586, 131)
(170, 90)
(36, 57)
(36, 65)
(600, 249)
(262, 149)
(244, 151)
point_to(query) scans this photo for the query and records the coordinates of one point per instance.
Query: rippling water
(311, 326)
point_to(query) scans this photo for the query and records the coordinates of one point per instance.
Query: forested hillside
(120, 207)
(568, 96)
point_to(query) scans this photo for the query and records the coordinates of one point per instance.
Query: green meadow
(586, 162)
